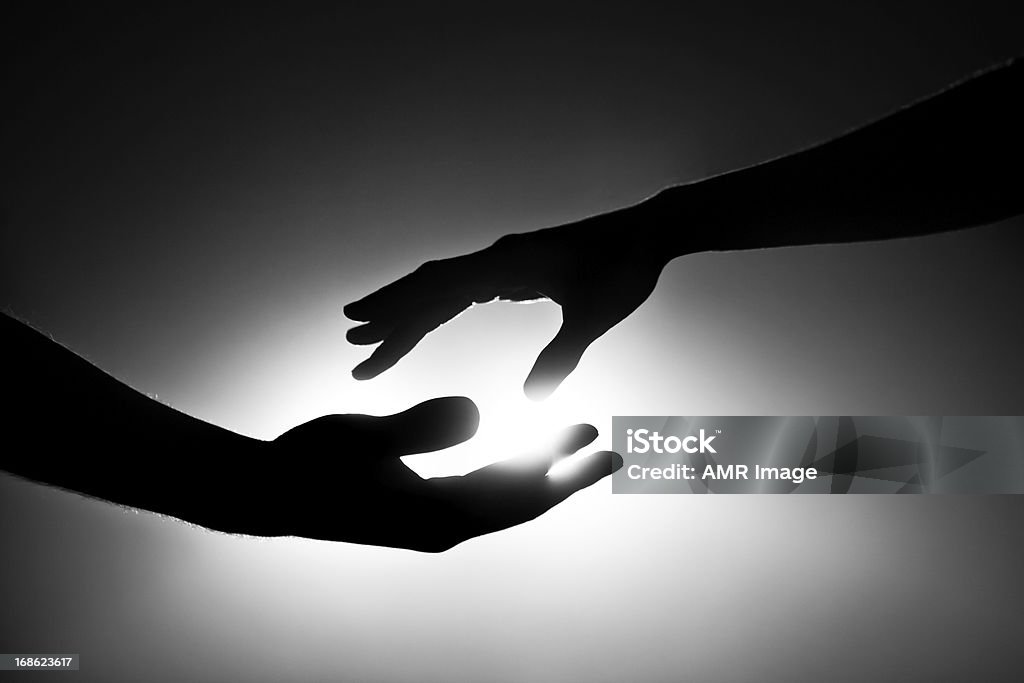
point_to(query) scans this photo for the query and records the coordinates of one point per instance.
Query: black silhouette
(947, 162)
(338, 477)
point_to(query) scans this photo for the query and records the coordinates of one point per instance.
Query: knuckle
(429, 267)
(509, 241)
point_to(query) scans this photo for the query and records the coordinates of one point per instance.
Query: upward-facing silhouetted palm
(341, 478)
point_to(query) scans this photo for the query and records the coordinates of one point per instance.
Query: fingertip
(538, 389)
(463, 410)
(376, 364)
(365, 334)
(553, 365)
(364, 371)
(433, 425)
(575, 437)
(354, 311)
(586, 472)
(616, 460)
(394, 347)
(449, 420)
(601, 464)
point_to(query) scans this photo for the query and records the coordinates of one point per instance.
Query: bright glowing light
(304, 376)
(566, 467)
(510, 425)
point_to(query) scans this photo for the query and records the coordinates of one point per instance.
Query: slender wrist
(754, 207)
(222, 485)
(691, 218)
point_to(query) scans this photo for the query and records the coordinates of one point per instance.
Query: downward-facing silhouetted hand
(947, 162)
(598, 270)
(343, 480)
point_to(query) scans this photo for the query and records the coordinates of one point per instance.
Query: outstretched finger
(574, 438)
(496, 498)
(534, 466)
(391, 350)
(369, 333)
(569, 441)
(580, 475)
(558, 359)
(387, 299)
(404, 337)
(429, 426)
(453, 278)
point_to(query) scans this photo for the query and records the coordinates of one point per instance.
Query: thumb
(430, 426)
(559, 358)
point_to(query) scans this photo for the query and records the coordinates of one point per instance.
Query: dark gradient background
(190, 195)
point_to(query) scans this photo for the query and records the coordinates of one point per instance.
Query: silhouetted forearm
(69, 424)
(950, 161)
